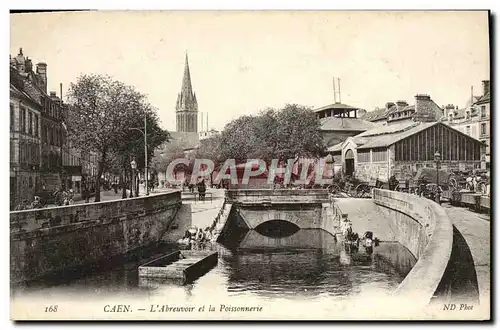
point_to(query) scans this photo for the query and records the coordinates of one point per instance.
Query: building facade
(187, 106)
(474, 120)
(402, 149)
(34, 84)
(208, 134)
(25, 144)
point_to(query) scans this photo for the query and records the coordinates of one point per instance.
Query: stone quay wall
(424, 228)
(48, 240)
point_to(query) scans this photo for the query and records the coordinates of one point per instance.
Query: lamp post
(144, 132)
(133, 165)
(437, 158)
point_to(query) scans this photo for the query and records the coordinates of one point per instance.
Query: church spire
(187, 89)
(187, 105)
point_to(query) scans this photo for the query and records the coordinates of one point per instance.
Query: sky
(243, 62)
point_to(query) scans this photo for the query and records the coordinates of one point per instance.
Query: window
(12, 117)
(23, 120)
(379, 154)
(30, 122)
(467, 130)
(483, 129)
(363, 156)
(467, 115)
(36, 125)
(50, 137)
(483, 111)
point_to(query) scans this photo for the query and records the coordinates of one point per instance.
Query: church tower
(187, 107)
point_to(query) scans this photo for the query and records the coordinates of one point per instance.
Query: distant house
(473, 120)
(424, 110)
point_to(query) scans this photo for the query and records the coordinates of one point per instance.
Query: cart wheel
(334, 189)
(453, 183)
(362, 190)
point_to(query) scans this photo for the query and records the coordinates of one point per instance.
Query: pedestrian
(85, 193)
(202, 190)
(208, 234)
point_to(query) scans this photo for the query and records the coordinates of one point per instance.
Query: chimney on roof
(486, 87)
(401, 104)
(53, 96)
(426, 110)
(422, 97)
(448, 109)
(41, 72)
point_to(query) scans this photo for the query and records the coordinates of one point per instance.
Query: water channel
(309, 264)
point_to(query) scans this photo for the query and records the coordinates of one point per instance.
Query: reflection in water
(309, 263)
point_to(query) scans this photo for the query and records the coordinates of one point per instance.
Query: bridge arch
(277, 228)
(303, 217)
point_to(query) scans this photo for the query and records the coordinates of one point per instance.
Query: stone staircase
(334, 214)
(220, 220)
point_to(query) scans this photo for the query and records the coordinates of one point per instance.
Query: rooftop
(22, 93)
(484, 99)
(345, 124)
(376, 114)
(339, 106)
(190, 139)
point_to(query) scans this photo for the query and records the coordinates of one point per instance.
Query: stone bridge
(441, 273)
(305, 209)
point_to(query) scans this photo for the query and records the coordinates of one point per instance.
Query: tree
(211, 149)
(102, 112)
(239, 139)
(287, 133)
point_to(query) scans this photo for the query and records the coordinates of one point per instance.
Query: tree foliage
(287, 133)
(211, 149)
(102, 113)
(166, 153)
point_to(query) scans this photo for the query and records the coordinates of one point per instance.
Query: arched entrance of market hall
(349, 162)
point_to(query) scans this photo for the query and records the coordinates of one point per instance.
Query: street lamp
(133, 165)
(144, 132)
(437, 159)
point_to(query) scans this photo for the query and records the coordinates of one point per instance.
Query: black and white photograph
(210, 165)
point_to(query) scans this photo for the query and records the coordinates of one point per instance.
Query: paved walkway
(475, 228)
(364, 216)
(204, 212)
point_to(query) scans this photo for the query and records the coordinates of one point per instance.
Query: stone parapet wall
(425, 229)
(54, 239)
(277, 196)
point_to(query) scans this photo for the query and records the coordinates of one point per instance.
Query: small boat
(183, 265)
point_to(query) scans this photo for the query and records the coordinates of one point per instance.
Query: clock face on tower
(187, 105)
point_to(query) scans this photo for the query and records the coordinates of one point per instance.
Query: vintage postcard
(250, 165)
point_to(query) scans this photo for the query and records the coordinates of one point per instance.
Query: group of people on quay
(197, 238)
(201, 187)
(60, 197)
